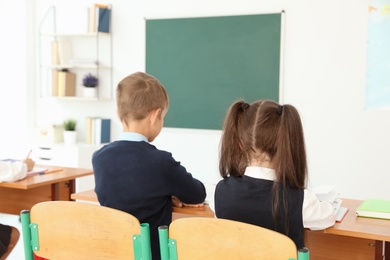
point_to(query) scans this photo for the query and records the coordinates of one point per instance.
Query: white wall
(324, 77)
(13, 73)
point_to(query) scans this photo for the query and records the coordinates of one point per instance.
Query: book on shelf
(88, 130)
(102, 130)
(104, 20)
(99, 18)
(98, 130)
(64, 52)
(66, 84)
(54, 83)
(374, 209)
(55, 59)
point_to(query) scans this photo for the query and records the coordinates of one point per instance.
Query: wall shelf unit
(65, 58)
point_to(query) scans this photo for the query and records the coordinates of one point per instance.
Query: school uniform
(249, 199)
(5, 237)
(134, 176)
(12, 170)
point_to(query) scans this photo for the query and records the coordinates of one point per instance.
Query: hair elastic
(244, 106)
(280, 109)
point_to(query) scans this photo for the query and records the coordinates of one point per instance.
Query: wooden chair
(212, 238)
(74, 230)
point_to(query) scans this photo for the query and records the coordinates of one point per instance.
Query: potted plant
(90, 83)
(70, 134)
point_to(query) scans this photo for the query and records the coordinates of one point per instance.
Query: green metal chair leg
(303, 254)
(25, 219)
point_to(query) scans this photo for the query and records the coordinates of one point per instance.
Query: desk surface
(204, 211)
(369, 228)
(58, 174)
(353, 226)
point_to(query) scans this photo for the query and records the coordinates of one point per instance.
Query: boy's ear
(154, 115)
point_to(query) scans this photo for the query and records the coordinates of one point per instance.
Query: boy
(134, 176)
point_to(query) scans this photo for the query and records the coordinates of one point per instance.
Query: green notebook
(374, 209)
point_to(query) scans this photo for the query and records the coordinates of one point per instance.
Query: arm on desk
(317, 214)
(11, 171)
(177, 203)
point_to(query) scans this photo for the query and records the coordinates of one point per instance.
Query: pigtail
(291, 154)
(231, 148)
(289, 160)
(283, 158)
(282, 162)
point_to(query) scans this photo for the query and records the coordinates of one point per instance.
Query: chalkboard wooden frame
(207, 63)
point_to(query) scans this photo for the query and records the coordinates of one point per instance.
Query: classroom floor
(13, 220)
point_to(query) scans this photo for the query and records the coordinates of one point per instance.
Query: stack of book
(97, 130)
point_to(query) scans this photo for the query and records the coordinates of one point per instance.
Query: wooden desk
(354, 226)
(353, 238)
(177, 212)
(57, 184)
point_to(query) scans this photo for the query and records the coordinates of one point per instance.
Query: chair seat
(74, 230)
(212, 238)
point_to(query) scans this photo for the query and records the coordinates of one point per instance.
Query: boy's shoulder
(131, 147)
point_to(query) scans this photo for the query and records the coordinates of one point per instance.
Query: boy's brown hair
(138, 94)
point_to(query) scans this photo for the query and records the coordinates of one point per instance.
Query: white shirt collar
(132, 136)
(260, 173)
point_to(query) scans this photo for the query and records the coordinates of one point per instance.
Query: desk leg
(72, 188)
(55, 192)
(382, 250)
(387, 250)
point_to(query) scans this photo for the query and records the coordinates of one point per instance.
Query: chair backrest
(75, 230)
(212, 238)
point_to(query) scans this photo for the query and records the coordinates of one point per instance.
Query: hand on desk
(30, 164)
(177, 203)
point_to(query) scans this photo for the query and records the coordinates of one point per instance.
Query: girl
(263, 163)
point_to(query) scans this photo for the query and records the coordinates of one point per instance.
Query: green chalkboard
(207, 63)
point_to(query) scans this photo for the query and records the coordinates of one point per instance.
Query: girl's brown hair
(265, 127)
(138, 94)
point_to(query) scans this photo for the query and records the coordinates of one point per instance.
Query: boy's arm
(187, 189)
(177, 203)
(179, 182)
(182, 185)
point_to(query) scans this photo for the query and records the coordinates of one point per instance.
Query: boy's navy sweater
(249, 200)
(137, 178)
